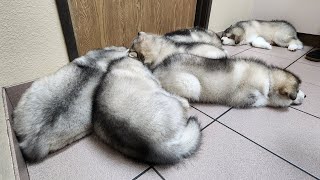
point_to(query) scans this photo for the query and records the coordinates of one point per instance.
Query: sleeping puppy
(153, 49)
(135, 116)
(262, 34)
(237, 82)
(56, 110)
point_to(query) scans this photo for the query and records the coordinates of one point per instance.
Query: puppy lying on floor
(262, 34)
(193, 41)
(56, 110)
(237, 82)
(135, 116)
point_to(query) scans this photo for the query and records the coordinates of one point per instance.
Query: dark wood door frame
(67, 28)
(202, 16)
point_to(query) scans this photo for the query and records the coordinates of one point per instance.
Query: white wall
(304, 15)
(31, 46)
(226, 12)
(31, 40)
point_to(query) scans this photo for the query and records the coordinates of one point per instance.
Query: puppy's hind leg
(259, 42)
(182, 84)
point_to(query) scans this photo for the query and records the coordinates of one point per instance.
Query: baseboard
(310, 39)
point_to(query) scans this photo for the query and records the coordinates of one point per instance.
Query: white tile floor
(262, 143)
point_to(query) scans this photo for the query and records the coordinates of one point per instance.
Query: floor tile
(150, 174)
(86, 159)
(203, 119)
(269, 59)
(306, 72)
(212, 110)
(306, 61)
(312, 103)
(289, 133)
(226, 155)
(283, 52)
(232, 50)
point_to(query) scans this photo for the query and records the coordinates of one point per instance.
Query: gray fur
(194, 35)
(153, 49)
(238, 82)
(135, 116)
(56, 110)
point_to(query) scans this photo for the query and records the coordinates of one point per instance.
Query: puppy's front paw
(292, 47)
(300, 98)
(184, 102)
(268, 47)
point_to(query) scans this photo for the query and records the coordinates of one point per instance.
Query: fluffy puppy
(153, 49)
(262, 34)
(56, 110)
(135, 116)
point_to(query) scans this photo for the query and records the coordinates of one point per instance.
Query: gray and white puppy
(238, 82)
(194, 35)
(156, 48)
(262, 34)
(56, 110)
(135, 116)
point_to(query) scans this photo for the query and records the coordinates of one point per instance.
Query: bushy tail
(186, 144)
(34, 148)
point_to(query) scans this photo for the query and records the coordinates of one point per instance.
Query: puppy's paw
(300, 98)
(293, 47)
(268, 46)
(184, 102)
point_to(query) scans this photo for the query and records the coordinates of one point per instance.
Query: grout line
(158, 172)
(142, 173)
(298, 58)
(304, 112)
(240, 52)
(265, 53)
(268, 150)
(214, 119)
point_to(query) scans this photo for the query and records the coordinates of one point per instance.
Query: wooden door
(101, 23)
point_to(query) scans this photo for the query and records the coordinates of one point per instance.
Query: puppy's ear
(237, 39)
(289, 92)
(141, 36)
(141, 33)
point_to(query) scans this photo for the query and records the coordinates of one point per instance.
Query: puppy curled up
(135, 116)
(192, 41)
(56, 110)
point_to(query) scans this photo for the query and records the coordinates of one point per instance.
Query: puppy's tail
(184, 145)
(34, 148)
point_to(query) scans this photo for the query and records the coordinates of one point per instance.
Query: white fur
(300, 98)
(259, 42)
(244, 83)
(278, 32)
(148, 115)
(228, 41)
(185, 85)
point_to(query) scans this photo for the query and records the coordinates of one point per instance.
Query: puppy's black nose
(305, 96)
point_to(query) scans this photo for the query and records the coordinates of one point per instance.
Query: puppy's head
(287, 88)
(146, 48)
(231, 36)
